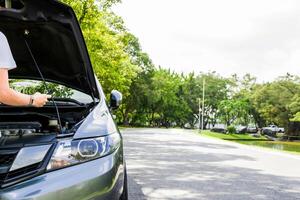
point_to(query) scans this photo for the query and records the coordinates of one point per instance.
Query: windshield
(56, 90)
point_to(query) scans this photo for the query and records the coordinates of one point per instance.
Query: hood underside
(52, 33)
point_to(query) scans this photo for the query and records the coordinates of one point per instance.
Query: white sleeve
(6, 58)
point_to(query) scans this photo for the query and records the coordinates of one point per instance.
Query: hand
(39, 100)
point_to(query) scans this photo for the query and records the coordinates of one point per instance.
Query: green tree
(278, 101)
(216, 90)
(111, 62)
(244, 88)
(31, 87)
(234, 111)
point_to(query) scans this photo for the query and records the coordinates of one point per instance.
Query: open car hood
(55, 39)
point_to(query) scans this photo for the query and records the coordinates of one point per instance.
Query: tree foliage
(112, 64)
(154, 96)
(278, 101)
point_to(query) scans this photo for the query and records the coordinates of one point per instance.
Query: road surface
(168, 164)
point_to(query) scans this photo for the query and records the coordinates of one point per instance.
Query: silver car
(71, 148)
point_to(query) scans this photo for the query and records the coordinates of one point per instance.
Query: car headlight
(71, 152)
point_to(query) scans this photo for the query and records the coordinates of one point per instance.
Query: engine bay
(26, 125)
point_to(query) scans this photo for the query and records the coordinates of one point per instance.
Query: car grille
(2, 178)
(7, 157)
(31, 169)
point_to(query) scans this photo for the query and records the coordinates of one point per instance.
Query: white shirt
(6, 58)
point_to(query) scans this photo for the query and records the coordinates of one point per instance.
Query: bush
(231, 129)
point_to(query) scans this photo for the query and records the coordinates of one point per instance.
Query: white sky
(261, 37)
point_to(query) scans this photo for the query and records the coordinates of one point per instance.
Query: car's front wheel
(124, 195)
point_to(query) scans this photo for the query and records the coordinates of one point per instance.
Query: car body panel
(42, 26)
(99, 179)
(98, 123)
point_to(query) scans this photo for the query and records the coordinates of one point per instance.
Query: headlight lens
(70, 152)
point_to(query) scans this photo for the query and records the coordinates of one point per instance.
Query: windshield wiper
(58, 99)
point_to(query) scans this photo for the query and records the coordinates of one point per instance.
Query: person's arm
(11, 97)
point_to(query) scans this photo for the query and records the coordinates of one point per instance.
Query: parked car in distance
(252, 129)
(246, 129)
(273, 129)
(218, 130)
(71, 148)
(241, 129)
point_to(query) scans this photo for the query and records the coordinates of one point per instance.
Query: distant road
(178, 164)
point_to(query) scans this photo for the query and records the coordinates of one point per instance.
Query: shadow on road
(135, 190)
(169, 166)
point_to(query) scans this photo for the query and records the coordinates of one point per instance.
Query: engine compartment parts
(19, 128)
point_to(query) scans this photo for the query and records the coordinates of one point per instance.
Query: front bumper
(101, 179)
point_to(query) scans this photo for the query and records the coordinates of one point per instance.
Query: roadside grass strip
(291, 147)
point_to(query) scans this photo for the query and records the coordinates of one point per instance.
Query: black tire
(124, 195)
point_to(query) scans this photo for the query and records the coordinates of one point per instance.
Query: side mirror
(115, 99)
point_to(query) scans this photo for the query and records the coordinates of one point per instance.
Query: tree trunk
(126, 119)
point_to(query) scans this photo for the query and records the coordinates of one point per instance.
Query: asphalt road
(179, 164)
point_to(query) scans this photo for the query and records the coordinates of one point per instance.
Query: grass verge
(292, 147)
(231, 136)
